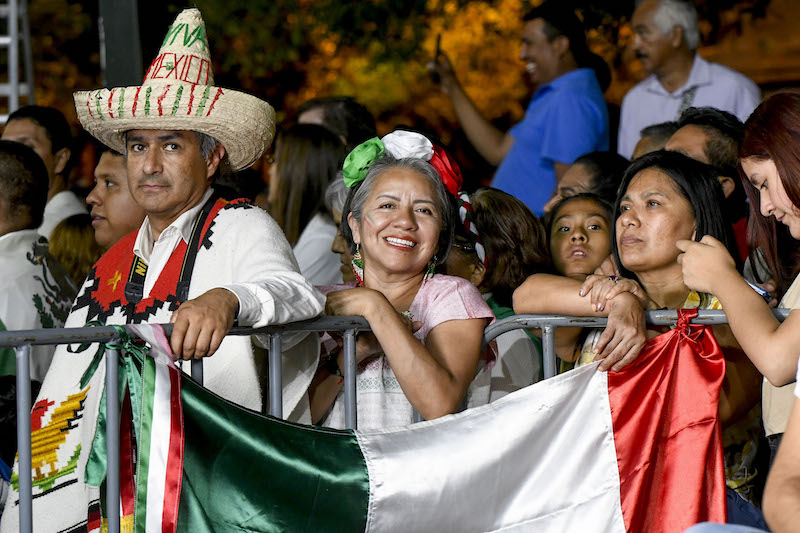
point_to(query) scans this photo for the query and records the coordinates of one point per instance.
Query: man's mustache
(152, 181)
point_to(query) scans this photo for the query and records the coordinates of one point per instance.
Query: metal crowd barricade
(349, 326)
(23, 340)
(548, 324)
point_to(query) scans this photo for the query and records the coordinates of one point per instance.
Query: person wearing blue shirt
(566, 118)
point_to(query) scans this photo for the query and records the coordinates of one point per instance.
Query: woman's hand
(358, 301)
(705, 264)
(608, 267)
(603, 288)
(363, 302)
(624, 336)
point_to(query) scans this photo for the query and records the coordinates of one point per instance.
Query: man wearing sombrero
(197, 261)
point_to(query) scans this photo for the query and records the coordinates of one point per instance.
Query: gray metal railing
(549, 323)
(349, 326)
(23, 340)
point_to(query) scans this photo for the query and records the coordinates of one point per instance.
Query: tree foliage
(288, 51)
(66, 55)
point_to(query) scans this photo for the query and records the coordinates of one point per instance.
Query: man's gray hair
(207, 144)
(358, 197)
(682, 13)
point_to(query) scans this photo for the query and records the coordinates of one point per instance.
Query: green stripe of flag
(248, 472)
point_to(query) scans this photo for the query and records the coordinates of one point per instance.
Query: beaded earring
(357, 263)
(430, 270)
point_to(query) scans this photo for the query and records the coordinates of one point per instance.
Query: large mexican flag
(635, 450)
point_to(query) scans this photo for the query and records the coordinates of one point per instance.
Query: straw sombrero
(178, 93)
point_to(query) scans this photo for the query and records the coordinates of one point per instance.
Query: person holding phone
(566, 118)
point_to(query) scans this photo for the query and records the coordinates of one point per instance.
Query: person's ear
(728, 185)
(214, 159)
(676, 37)
(478, 272)
(355, 228)
(561, 45)
(60, 159)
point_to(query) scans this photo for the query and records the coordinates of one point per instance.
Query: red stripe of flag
(665, 414)
(172, 484)
(126, 460)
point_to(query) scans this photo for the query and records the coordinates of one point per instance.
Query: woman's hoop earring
(357, 262)
(430, 270)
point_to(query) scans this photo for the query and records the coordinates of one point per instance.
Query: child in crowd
(579, 234)
(73, 245)
(498, 244)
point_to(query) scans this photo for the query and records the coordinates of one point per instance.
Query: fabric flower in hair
(448, 170)
(401, 144)
(357, 163)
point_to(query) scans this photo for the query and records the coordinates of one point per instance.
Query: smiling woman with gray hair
(427, 328)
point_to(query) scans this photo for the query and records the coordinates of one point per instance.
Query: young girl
(579, 235)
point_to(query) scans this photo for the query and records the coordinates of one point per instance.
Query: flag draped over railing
(634, 450)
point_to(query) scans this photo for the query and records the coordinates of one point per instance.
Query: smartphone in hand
(437, 52)
(761, 292)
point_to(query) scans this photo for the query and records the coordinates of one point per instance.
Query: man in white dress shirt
(45, 130)
(666, 38)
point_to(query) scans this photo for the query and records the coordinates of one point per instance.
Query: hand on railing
(624, 336)
(608, 267)
(367, 345)
(603, 288)
(202, 323)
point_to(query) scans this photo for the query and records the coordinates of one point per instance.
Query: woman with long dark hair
(664, 198)
(307, 158)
